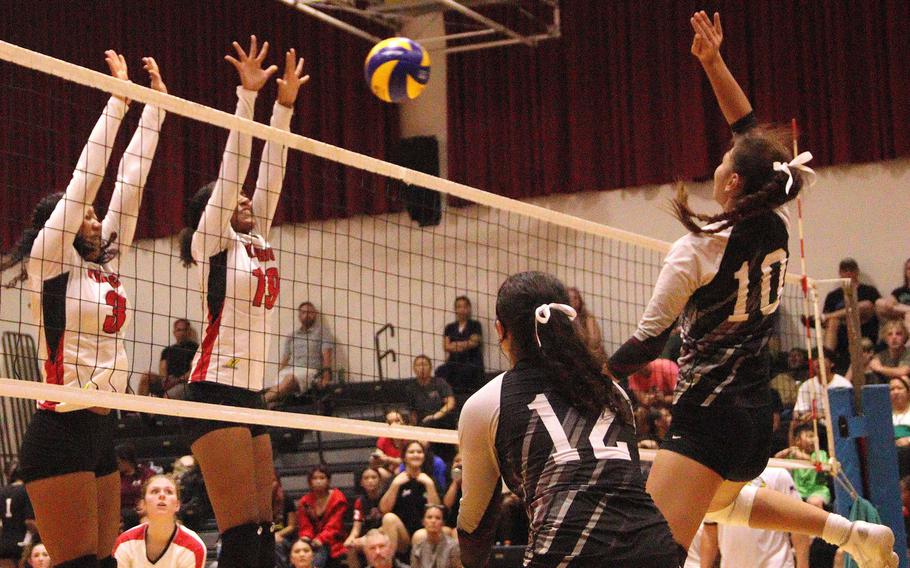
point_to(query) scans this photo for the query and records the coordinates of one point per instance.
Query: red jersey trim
(211, 334)
(53, 371)
(187, 541)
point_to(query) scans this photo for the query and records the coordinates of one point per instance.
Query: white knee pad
(738, 512)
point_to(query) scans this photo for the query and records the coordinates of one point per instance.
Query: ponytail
(764, 188)
(576, 372)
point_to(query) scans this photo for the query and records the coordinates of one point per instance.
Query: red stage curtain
(618, 101)
(45, 121)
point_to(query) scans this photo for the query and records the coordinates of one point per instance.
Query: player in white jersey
(226, 238)
(79, 302)
(723, 282)
(161, 541)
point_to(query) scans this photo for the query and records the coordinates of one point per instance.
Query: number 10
(742, 276)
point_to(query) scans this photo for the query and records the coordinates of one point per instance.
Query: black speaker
(419, 153)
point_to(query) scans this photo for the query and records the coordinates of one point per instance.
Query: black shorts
(58, 443)
(734, 442)
(10, 550)
(225, 395)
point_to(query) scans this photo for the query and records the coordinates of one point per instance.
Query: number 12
(563, 452)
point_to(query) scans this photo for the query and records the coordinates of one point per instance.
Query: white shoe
(871, 545)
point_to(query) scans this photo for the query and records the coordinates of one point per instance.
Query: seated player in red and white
(161, 540)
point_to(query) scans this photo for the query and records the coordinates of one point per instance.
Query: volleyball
(397, 69)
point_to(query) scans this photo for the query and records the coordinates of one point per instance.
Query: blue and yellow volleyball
(397, 69)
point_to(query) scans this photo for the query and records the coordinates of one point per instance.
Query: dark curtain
(618, 100)
(45, 122)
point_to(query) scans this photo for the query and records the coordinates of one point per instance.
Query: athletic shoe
(871, 546)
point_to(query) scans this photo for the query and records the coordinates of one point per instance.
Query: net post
(881, 464)
(854, 336)
(845, 427)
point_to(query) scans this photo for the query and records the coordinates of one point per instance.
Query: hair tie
(542, 315)
(799, 164)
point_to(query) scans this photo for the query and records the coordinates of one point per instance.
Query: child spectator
(811, 484)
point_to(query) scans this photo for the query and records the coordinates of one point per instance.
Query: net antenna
(809, 289)
(539, 20)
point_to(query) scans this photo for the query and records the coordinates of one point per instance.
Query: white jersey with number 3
(81, 307)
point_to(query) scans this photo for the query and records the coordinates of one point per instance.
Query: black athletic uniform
(15, 509)
(578, 476)
(725, 290)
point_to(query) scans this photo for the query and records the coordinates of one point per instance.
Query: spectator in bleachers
(834, 313)
(302, 554)
(17, 519)
(195, 507)
(386, 458)
(870, 376)
(655, 382)
(306, 359)
(431, 401)
(590, 330)
(367, 515)
(811, 389)
(786, 383)
(462, 340)
(174, 364)
(897, 305)
(811, 484)
(431, 547)
(320, 517)
(452, 499)
(433, 465)
(379, 551)
(160, 536)
(410, 490)
(659, 420)
(132, 477)
(900, 417)
(894, 361)
(35, 556)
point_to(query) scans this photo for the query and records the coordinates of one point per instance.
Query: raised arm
(56, 238)
(274, 156)
(214, 227)
(134, 168)
(706, 47)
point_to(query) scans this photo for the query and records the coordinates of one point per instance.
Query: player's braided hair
(752, 156)
(23, 248)
(576, 371)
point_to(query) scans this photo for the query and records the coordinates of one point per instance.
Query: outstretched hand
(151, 66)
(117, 64)
(249, 65)
(708, 37)
(289, 84)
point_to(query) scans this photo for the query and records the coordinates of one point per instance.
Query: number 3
(115, 321)
(778, 257)
(563, 450)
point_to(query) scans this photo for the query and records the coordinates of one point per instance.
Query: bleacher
(160, 440)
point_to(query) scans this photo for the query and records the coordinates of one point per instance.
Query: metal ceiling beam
(307, 9)
(487, 22)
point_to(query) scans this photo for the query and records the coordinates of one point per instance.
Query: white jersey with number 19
(239, 277)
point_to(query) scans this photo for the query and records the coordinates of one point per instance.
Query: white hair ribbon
(542, 315)
(799, 164)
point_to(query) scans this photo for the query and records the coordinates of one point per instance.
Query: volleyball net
(383, 286)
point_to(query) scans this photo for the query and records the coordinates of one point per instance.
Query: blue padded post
(846, 429)
(881, 464)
